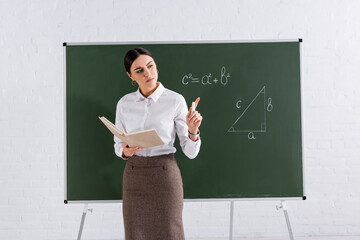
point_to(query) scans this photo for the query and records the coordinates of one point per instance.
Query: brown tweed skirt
(153, 198)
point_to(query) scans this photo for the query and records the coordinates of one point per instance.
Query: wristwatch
(194, 136)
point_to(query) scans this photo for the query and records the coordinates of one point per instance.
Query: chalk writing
(207, 79)
(256, 111)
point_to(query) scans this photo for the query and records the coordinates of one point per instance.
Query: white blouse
(164, 110)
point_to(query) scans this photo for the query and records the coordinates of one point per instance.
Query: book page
(143, 139)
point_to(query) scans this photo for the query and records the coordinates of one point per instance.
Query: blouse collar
(154, 96)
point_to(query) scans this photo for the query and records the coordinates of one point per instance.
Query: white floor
(278, 238)
(287, 238)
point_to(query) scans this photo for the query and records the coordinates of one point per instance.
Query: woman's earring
(158, 71)
(133, 83)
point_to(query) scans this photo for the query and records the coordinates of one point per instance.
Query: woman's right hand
(129, 151)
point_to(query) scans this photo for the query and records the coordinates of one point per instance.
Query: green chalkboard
(251, 104)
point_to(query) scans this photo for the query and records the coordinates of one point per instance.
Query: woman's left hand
(193, 119)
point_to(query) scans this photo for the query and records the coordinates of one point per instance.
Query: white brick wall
(31, 109)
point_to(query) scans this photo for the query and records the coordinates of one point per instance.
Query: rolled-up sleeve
(189, 147)
(119, 124)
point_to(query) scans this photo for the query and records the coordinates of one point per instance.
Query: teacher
(152, 183)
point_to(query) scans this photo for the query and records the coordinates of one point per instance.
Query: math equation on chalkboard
(208, 79)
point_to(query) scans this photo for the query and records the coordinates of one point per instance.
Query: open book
(143, 139)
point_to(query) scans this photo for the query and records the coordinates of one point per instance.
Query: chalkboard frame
(185, 42)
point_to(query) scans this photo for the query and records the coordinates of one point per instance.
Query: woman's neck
(147, 92)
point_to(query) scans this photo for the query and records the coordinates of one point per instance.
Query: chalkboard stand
(284, 208)
(280, 65)
(83, 219)
(231, 219)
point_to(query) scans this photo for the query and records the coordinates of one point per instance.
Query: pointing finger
(196, 102)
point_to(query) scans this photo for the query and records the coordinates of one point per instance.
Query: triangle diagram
(253, 118)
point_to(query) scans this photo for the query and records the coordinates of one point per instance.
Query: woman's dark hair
(133, 54)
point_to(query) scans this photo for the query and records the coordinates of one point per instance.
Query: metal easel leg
(83, 220)
(231, 219)
(284, 208)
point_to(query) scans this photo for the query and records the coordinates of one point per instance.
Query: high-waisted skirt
(153, 198)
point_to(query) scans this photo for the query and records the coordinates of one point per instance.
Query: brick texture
(32, 110)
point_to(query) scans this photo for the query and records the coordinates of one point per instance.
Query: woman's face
(143, 70)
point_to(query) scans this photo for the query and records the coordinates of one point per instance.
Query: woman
(152, 184)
